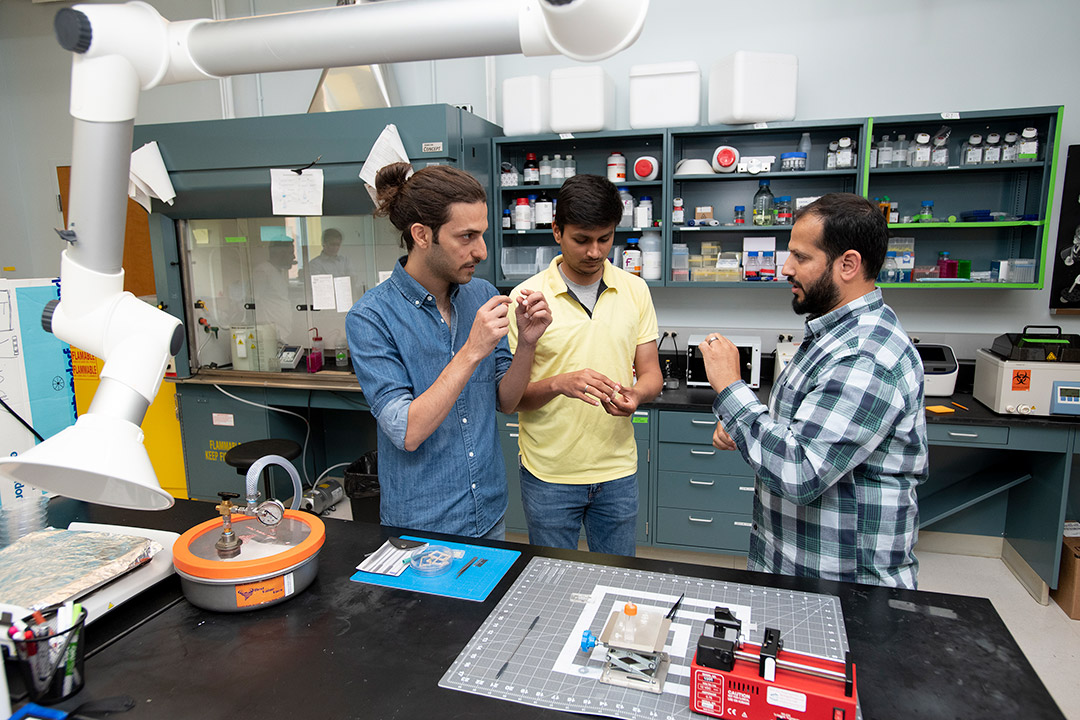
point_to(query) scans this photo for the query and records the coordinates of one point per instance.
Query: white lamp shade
(99, 459)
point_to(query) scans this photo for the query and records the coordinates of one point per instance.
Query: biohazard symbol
(1021, 380)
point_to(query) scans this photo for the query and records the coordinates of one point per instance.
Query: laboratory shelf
(732, 228)
(788, 175)
(771, 284)
(958, 285)
(553, 186)
(952, 169)
(965, 493)
(967, 225)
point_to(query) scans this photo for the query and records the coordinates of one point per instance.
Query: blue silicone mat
(474, 584)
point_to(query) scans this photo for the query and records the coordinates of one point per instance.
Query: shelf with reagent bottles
(1023, 190)
(724, 190)
(590, 152)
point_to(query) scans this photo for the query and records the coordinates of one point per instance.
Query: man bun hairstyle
(851, 222)
(423, 198)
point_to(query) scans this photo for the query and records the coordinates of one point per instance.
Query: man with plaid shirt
(841, 447)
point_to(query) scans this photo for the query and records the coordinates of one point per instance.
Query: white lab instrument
(939, 369)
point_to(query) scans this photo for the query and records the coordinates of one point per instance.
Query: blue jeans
(555, 513)
(498, 532)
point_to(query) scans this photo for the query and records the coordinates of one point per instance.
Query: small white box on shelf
(753, 87)
(582, 100)
(525, 105)
(665, 95)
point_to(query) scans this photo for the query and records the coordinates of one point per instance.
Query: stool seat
(244, 455)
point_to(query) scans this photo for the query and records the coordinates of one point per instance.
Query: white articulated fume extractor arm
(121, 50)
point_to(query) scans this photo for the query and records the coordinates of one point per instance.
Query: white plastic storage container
(751, 87)
(525, 105)
(665, 95)
(582, 100)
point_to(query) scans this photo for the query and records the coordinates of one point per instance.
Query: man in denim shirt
(430, 351)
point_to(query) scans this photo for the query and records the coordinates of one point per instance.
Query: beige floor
(1048, 637)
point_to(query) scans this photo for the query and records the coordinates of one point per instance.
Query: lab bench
(990, 475)
(350, 650)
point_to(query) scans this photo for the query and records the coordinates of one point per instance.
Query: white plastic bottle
(920, 152)
(805, 145)
(627, 219)
(845, 153)
(545, 171)
(1029, 145)
(569, 167)
(651, 255)
(972, 151)
(558, 170)
(616, 167)
(830, 156)
(885, 152)
(992, 149)
(1011, 147)
(900, 151)
(523, 217)
(939, 151)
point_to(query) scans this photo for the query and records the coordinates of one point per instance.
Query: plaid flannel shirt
(839, 451)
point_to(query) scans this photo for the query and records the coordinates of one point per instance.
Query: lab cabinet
(247, 282)
(1020, 193)
(515, 514)
(522, 253)
(704, 496)
(721, 192)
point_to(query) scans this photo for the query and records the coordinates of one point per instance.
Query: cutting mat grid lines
(546, 667)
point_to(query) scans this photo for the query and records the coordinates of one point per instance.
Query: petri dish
(432, 560)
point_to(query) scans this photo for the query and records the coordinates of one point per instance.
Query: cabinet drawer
(686, 427)
(714, 530)
(967, 434)
(702, 459)
(705, 491)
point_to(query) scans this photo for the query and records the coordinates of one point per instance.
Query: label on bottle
(543, 214)
(532, 176)
(992, 154)
(678, 216)
(569, 172)
(843, 158)
(507, 221)
(1028, 149)
(973, 156)
(922, 154)
(1008, 153)
(632, 262)
(545, 174)
(558, 173)
(873, 157)
(884, 157)
(940, 156)
(894, 216)
(522, 217)
(830, 161)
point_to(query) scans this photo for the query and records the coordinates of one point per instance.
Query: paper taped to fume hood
(148, 177)
(387, 149)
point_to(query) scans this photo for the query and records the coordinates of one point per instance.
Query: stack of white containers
(744, 87)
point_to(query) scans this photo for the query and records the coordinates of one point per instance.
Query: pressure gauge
(270, 512)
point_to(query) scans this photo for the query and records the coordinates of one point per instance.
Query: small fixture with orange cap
(261, 558)
(634, 637)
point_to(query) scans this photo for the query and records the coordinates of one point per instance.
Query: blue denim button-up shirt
(455, 482)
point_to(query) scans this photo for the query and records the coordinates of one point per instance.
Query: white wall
(856, 58)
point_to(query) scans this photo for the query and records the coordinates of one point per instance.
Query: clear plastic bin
(1021, 270)
(518, 261)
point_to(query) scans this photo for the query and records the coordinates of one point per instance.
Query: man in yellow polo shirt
(578, 455)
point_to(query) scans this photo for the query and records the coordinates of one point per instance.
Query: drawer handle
(702, 452)
(706, 483)
(699, 520)
(509, 424)
(513, 434)
(746, 488)
(703, 422)
(963, 435)
(738, 523)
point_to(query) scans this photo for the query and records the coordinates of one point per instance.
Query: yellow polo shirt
(569, 441)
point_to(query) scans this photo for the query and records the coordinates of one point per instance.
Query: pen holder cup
(52, 667)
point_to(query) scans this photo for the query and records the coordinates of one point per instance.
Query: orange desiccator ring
(186, 562)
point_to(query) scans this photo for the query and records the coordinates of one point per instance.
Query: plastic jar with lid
(740, 215)
(651, 255)
(792, 161)
(643, 213)
(678, 212)
(830, 155)
(971, 153)
(616, 167)
(926, 214)
(523, 217)
(1029, 145)
(783, 210)
(920, 154)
